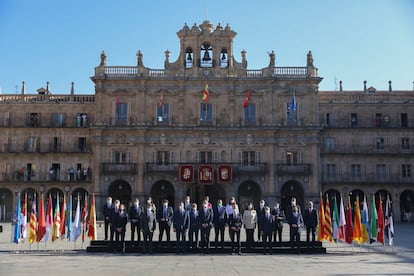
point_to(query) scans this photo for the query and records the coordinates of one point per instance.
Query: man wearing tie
(165, 216)
(296, 223)
(205, 220)
(108, 212)
(267, 230)
(194, 226)
(260, 214)
(114, 212)
(148, 224)
(135, 216)
(219, 221)
(120, 222)
(181, 224)
(279, 217)
(310, 219)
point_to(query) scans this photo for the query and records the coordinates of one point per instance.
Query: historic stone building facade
(208, 125)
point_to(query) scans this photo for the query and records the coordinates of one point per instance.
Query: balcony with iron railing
(46, 177)
(44, 148)
(294, 169)
(342, 178)
(366, 149)
(115, 168)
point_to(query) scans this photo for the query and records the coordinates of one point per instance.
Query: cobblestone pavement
(65, 258)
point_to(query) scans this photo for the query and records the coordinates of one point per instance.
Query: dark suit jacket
(268, 225)
(170, 215)
(235, 221)
(194, 222)
(121, 220)
(205, 218)
(296, 219)
(279, 217)
(219, 216)
(108, 212)
(181, 221)
(135, 213)
(310, 218)
(148, 223)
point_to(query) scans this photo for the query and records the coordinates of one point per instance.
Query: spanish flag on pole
(321, 223)
(92, 221)
(205, 93)
(33, 222)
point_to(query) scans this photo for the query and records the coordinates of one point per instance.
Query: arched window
(206, 54)
(224, 59)
(189, 58)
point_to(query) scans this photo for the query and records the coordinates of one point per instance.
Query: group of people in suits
(187, 220)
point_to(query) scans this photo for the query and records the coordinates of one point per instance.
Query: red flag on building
(205, 174)
(161, 102)
(92, 221)
(381, 224)
(247, 100)
(206, 93)
(328, 221)
(349, 230)
(224, 174)
(186, 173)
(41, 227)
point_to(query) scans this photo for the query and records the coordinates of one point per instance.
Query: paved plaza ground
(63, 258)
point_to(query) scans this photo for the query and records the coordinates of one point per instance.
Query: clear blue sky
(61, 41)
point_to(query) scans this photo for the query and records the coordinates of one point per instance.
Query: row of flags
(346, 227)
(56, 223)
(246, 102)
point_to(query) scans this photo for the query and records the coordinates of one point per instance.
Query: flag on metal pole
(17, 222)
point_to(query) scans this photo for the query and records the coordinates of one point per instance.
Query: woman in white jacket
(249, 222)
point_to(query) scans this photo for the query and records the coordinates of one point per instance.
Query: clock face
(206, 73)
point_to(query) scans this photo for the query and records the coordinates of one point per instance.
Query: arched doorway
(163, 190)
(353, 195)
(291, 189)
(383, 194)
(54, 192)
(248, 191)
(120, 190)
(6, 204)
(407, 206)
(214, 192)
(332, 195)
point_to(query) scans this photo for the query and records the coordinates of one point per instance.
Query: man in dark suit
(107, 212)
(235, 223)
(135, 216)
(114, 211)
(279, 217)
(205, 216)
(148, 224)
(181, 224)
(260, 214)
(194, 226)
(219, 221)
(120, 222)
(267, 230)
(165, 217)
(310, 218)
(296, 223)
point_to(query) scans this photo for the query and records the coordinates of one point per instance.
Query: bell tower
(205, 51)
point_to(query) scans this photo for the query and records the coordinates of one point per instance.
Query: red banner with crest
(224, 174)
(186, 173)
(205, 174)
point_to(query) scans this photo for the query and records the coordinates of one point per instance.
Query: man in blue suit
(219, 222)
(205, 216)
(296, 223)
(194, 226)
(165, 217)
(148, 224)
(181, 224)
(310, 218)
(267, 230)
